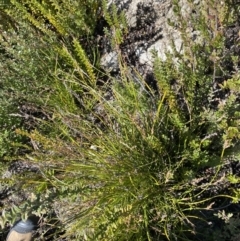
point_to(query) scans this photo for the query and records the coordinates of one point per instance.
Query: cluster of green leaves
(117, 22)
(124, 167)
(35, 74)
(63, 18)
(32, 58)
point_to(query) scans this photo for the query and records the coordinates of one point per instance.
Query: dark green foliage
(124, 167)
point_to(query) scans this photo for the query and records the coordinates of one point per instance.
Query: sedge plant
(124, 164)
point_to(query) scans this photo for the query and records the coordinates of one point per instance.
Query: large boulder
(148, 30)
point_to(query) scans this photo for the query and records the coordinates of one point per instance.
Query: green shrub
(64, 18)
(126, 167)
(34, 77)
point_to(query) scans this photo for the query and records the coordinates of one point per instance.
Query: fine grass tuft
(121, 161)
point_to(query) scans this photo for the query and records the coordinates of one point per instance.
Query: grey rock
(157, 11)
(109, 61)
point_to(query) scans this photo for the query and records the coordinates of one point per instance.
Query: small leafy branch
(117, 22)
